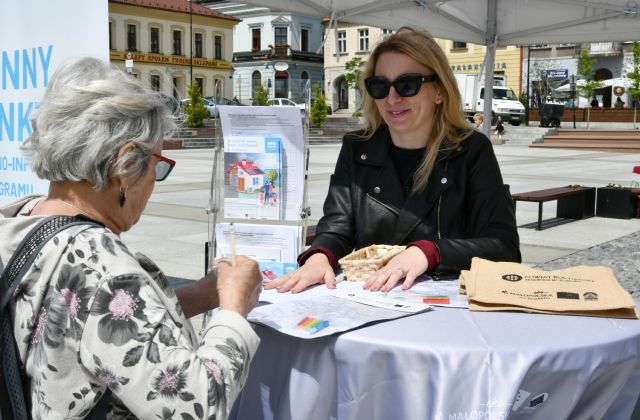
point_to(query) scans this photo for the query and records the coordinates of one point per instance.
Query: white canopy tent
(485, 22)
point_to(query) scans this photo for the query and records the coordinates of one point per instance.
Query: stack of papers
(582, 290)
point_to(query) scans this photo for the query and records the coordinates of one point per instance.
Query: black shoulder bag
(14, 385)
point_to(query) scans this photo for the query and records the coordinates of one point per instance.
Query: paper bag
(581, 290)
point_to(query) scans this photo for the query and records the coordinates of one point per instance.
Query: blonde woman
(418, 175)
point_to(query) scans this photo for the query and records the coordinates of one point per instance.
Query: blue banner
(557, 74)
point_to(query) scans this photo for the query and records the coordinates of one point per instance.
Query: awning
(282, 74)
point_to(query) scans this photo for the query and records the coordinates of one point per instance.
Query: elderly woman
(418, 175)
(90, 315)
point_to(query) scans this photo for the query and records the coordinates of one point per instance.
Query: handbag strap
(27, 251)
(12, 374)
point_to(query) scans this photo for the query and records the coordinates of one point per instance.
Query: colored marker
(303, 321)
(443, 299)
(321, 325)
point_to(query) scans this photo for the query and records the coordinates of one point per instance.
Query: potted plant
(618, 202)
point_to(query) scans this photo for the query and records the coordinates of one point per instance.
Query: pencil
(232, 243)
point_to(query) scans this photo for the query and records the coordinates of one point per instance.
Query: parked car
(224, 101)
(210, 105)
(286, 102)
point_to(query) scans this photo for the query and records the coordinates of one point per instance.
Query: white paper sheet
(263, 242)
(346, 307)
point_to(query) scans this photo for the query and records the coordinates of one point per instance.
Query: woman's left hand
(407, 265)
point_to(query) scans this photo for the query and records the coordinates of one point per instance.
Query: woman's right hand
(316, 269)
(239, 285)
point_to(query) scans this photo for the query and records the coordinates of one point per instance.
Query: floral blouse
(91, 315)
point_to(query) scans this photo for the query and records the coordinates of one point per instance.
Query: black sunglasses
(407, 84)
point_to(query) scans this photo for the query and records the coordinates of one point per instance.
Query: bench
(574, 202)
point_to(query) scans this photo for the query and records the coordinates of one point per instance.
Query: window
(342, 42)
(386, 32)
(131, 38)
(217, 47)
(256, 80)
(255, 39)
(363, 39)
(198, 45)
(304, 39)
(155, 82)
(155, 40)
(459, 45)
(175, 90)
(110, 35)
(200, 82)
(177, 42)
(280, 36)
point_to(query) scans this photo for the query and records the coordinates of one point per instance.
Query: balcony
(605, 48)
(279, 51)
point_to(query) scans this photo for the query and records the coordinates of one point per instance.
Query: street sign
(560, 74)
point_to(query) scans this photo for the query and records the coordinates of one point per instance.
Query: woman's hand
(407, 265)
(316, 269)
(239, 285)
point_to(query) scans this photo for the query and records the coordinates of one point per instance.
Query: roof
(249, 167)
(182, 6)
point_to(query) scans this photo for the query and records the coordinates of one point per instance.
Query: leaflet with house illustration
(245, 129)
(252, 177)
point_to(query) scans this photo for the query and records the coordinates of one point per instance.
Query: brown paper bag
(581, 290)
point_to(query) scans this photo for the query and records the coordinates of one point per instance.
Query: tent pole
(527, 104)
(488, 64)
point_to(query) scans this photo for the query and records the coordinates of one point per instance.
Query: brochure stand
(290, 216)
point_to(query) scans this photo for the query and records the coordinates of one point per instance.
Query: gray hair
(89, 111)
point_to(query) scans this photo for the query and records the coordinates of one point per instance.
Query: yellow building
(469, 58)
(150, 40)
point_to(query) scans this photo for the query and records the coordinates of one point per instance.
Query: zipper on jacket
(439, 202)
(446, 166)
(391, 209)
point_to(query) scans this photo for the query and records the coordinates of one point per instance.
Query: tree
(634, 90)
(585, 69)
(352, 76)
(272, 175)
(319, 108)
(260, 96)
(195, 110)
(353, 67)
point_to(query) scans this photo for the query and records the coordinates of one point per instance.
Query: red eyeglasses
(163, 167)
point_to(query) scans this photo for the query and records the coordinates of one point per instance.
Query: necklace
(83, 212)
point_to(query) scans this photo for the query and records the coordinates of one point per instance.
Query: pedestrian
(594, 102)
(478, 119)
(418, 175)
(91, 315)
(499, 128)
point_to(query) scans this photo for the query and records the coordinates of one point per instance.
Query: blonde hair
(449, 122)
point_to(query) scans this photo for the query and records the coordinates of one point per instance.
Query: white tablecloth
(450, 364)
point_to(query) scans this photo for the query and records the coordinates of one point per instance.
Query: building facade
(469, 58)
(279, 51)
(613, 61)
(151, 40)
(358, 41)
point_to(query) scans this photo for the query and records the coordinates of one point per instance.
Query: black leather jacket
(466, 210)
